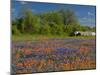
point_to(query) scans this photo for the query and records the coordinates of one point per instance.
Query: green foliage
(69, 17)
(45, 29)
(60, 22)
(15, 30)
(70, 29)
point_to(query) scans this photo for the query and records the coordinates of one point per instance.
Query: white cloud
(85, 19)
(23, 2)
(90, 14)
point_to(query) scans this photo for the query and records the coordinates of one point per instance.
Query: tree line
(58, 22)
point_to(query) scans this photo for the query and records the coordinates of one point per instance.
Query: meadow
(53, 54)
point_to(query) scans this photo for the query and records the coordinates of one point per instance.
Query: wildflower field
(53, 55)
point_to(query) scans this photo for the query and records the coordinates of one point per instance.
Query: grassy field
(42, 37)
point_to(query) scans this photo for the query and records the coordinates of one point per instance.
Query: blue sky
(86, 14)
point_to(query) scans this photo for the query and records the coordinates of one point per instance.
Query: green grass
(41, 37)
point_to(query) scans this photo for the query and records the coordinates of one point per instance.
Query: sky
(86, 14)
